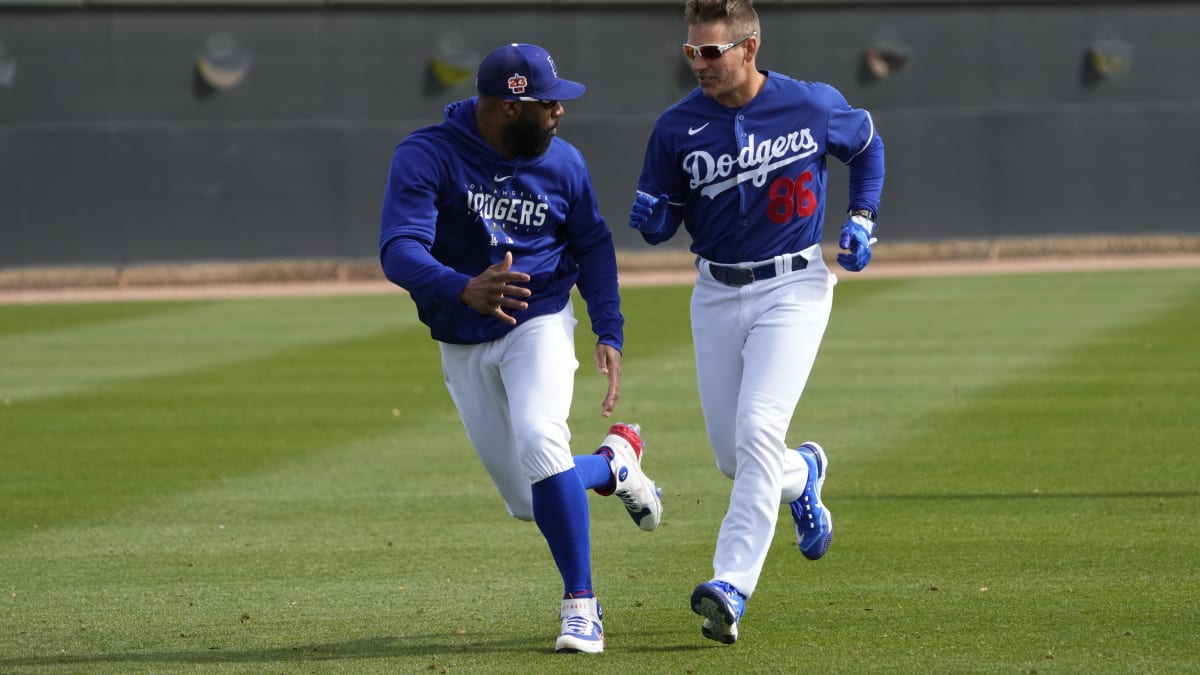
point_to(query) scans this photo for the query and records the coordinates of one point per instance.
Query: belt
(740, 276)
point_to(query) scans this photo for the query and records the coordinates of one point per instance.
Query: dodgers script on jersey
(752, 178)
(455, 205)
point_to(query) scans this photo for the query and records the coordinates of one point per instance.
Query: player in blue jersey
(740, 163)
(489, 221)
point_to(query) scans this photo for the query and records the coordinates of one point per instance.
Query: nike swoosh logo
(500, 179)
(693, 132)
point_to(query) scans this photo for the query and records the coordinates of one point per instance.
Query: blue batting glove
(649, 213)
(856, 238)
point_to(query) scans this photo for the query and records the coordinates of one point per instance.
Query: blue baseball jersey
(454, 205)
(749, 183)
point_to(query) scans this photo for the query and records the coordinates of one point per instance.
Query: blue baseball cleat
(722, 606)
(814, 523)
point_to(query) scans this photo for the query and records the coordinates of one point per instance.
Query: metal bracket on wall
(221, 66)
(885, 56)
(452, 63)
(1105, 58)
(8, 69)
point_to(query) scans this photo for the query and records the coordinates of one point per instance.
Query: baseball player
(740, 162)
(489, 220)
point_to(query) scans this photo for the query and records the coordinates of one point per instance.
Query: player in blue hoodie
(489, 221)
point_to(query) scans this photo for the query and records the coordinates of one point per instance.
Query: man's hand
(649, 213)
(608, 362)
(492, 291)
(856, 238)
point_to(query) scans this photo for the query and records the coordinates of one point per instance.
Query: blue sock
(560, 509)
(595, 471)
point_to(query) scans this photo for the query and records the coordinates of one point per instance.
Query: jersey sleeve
(660, 176)
(853, 139)
(408, 223)
(851, 130)
(590, 244)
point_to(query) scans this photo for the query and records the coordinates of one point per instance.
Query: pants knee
(544, 452)
(522, 512)
(727, 466)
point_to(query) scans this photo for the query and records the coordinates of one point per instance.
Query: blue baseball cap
(524, 72)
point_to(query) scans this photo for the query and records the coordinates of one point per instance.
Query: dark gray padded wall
(110, 153)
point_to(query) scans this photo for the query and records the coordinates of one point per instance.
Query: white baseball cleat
(641, 496)
(582, 629)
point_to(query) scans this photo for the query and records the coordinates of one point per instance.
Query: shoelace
(578, 625)
(628, 498)
(631, 500)
(808, 514)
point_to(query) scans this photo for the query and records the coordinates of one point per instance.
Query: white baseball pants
(755, 347)
(513, 395)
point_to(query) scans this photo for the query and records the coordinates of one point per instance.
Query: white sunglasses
(711, 52)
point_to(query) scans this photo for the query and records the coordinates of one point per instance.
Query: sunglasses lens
(709, 52)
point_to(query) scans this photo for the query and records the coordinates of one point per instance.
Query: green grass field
(282, 486)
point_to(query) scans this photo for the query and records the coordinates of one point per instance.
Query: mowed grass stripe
(47, 350)
(1105, 418)
(87, 455)
(28, 319)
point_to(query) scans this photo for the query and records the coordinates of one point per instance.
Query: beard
(528, 138)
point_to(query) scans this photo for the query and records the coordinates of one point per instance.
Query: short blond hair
(739, 15)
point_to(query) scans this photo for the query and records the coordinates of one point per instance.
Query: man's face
(534, 128)
(720, 76)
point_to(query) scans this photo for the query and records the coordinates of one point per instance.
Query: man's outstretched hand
(493, 291)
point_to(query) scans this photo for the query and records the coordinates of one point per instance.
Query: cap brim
(563, 90)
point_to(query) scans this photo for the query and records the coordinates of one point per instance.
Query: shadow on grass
(363, 648)
(414, 646)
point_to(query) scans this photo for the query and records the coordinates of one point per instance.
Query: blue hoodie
(454, 205)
